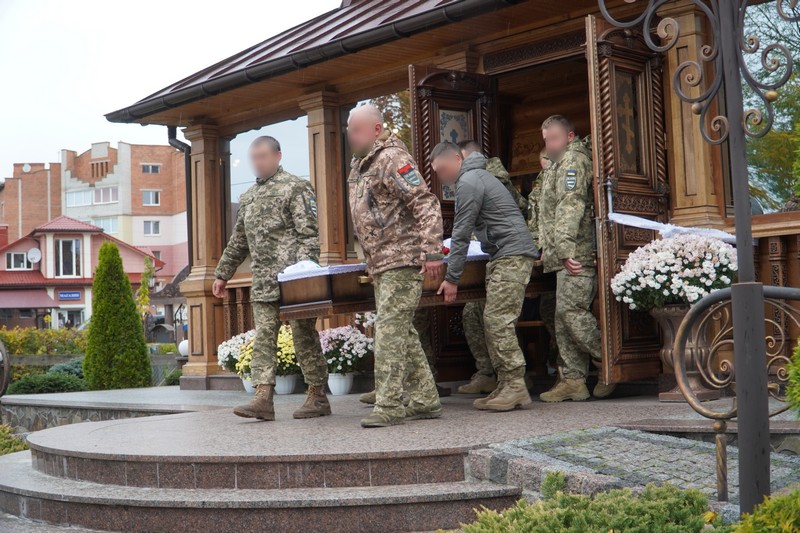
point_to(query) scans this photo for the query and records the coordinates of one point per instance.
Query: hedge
(46, 383)
(35, 341)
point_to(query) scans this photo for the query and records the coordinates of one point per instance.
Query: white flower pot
(340, 384)
(248, 385)
(285, 384)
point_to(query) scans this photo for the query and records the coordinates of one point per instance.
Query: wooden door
(628, 152)
(455, 106)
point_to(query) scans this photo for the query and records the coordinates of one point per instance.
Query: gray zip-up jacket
(485, 207)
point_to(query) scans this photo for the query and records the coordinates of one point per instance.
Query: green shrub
(35, 341)
(20, 371)
(74, 367)
(778, 514)
(116, 351)
(662, 509)
(169, 347)
(793, 387)
(173, 378)
(10, 443)
(553, 483)
(43, 383)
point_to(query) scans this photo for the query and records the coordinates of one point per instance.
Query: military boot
(479, 384)
(369, 398)
(316, 403)
(513, 394)
(603, 391)
(381, 420)
(261, 406)
(567, 389)
(426, 412)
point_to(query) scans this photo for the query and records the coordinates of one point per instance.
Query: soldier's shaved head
(272, 142)
(364, 127)
(557, 132)
(469, 146)
(265, 156)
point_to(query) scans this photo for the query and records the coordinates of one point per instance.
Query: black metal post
(747, 294)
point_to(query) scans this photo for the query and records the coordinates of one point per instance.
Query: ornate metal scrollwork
(691, 80)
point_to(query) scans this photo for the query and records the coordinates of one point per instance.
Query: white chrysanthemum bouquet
(676, 270)
(345, 348)
(229, 352)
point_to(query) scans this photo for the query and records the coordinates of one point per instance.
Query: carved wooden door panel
(449, 105)
(630, 176)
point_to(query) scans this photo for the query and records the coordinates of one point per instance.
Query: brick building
(135, 193)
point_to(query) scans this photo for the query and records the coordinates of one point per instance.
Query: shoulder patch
(571, 180)
(408, 173)
(311, 205)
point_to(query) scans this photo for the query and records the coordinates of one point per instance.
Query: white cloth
(670, 230)
(474, 252)
(303, 269)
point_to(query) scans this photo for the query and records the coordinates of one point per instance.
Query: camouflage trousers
(306, 343)
(506, 280)
(398, 353)
(422, 323)
(577, 333)
(472, 320)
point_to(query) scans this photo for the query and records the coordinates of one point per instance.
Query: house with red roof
(49, 272)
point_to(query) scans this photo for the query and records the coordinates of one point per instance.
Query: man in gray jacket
(485, 207)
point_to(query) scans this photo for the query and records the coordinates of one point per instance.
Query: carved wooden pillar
(324, 134)
(778, 273)
(694, 165)
(205, 312)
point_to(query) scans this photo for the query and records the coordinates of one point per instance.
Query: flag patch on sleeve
(312, 205)
(572, 180)
(409, 174)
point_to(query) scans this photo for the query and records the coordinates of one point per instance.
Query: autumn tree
(396, 108)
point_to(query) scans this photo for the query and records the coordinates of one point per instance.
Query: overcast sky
(64, 64)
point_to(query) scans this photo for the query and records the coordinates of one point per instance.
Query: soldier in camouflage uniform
(567, 235)
(277, 226)
(486, 209)
(484, 380)
(398, 222)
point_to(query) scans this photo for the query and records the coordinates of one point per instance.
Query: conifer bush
(116, 350)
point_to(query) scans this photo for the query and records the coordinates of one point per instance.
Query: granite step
(31, 494)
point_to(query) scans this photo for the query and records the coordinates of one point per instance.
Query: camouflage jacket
(276, 225)
(398, 220)
(566, 206)
(496, 168)
(534, 199)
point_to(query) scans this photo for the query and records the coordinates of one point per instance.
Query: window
(17, 261)
(106, 195)
(151, 197)
(150, 168)
(6, 314)
(152, 227)
(79, 198)
(27, 313)
(157, 254)
(68, 258)
(109, 224)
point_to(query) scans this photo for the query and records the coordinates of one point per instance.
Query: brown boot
(261, 406)
(602, 390)
(567, 389)
(513, 394)
(316, 403)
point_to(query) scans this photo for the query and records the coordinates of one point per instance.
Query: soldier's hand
(450, 290)
(433, 268)
(572, 267)
(218, 288)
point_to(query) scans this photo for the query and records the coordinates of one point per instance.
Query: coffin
(339, 289)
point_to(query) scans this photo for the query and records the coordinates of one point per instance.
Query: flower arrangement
(286, 358)
(366, 320)
(228, 352)
(676, 270)
(345, 348)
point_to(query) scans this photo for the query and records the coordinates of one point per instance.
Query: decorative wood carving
(532, 54)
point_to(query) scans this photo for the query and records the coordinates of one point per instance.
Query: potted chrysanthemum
(344, 348)
(287, 369)
(664, 278)
(230, 352)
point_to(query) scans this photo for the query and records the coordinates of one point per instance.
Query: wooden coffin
(338, 289)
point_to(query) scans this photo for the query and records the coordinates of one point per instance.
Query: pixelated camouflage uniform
(567, 231)
(398, 223)
(547, 301)
(277, 226)
(484, 207)
(472, 314)
(422, 323)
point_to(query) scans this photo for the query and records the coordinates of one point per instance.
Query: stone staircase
(92, 485)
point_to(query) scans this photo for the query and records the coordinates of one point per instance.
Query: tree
(143, 292)
(396, 108)
(116, 351)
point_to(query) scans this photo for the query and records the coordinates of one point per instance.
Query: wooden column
(205, 312)
(694, 165)
(324, 145)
